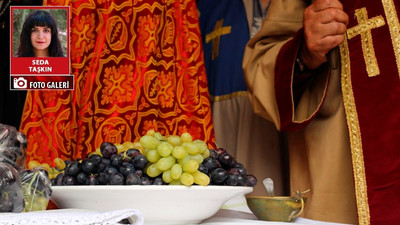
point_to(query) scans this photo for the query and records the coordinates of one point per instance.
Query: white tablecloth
(232, 217)
(72, 217)
(234, 212)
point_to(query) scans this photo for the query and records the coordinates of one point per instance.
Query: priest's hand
(324, 23)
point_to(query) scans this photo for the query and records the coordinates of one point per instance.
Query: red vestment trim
(371, 103)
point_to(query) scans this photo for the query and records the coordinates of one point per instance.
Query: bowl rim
(151, 187)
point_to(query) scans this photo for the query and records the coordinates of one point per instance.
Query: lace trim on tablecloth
(133, 216)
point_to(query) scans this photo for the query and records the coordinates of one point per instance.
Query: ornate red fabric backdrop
(138, 65)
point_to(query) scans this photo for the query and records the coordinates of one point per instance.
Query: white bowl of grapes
(169, 179)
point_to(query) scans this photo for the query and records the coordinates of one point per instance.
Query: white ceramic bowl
(159, 204)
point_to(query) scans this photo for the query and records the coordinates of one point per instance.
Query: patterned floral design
(138, 65)
(82, 35)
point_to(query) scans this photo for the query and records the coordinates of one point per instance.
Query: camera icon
(20, 83)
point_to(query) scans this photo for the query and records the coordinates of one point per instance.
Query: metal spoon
(269, 185)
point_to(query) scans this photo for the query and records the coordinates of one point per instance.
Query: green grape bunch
(175, 158)
(36, 187)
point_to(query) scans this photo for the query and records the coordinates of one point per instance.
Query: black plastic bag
(11, 195)
(12, 146)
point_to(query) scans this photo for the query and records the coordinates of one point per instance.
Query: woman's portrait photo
(40, 33)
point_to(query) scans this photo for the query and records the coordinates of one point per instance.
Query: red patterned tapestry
(138, 65)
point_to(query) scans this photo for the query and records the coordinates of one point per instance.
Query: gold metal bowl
(275, 208)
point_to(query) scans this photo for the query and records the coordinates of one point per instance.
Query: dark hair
(42, 19)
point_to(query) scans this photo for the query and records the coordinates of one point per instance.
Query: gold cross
(215, 36)
(363, 28)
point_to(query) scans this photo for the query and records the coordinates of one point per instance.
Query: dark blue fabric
(225, 74)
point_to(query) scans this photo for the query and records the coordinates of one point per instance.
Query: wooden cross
(363, 28)
(214, 36)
